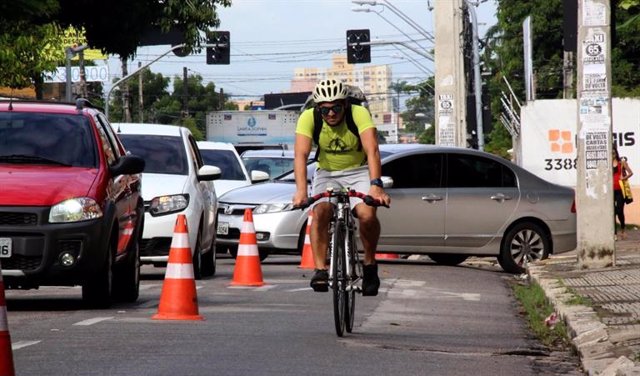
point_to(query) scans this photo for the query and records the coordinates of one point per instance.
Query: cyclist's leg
(322, 213)
(369, 227)
(369, 234)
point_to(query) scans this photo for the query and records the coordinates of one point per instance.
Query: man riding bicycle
(343, 160)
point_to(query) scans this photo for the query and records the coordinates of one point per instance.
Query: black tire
(339, 279)
(525, 241)
(209, 261)
(303, 234)
(126, 276)
(445, 259)
(350, 305)
(197, 258)
(97, 290)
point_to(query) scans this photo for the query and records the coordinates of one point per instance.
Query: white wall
(548, 142)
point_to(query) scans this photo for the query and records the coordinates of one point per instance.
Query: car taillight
(573, 206)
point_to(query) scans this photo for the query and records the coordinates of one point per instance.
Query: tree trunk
(38, 83)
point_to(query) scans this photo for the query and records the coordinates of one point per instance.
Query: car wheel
(97, 291)
(233, 251)
(445, 259)
(197, 258)
(209, 262)
(525, 243)
(303, 234)
(126, 276)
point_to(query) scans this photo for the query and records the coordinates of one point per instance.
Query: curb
(588, 334)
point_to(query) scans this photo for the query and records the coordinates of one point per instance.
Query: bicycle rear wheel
(350, 296)
(339, 278)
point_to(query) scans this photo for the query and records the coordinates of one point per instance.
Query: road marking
(21, 344)
(300, 289)
(266, 287)
(92, 321)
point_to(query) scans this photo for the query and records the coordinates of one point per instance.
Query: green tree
(420, 110)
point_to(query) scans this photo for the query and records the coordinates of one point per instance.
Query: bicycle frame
(345, 269)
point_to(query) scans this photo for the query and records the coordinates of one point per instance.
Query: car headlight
(164, 205)
(272, 208)
(75, 210)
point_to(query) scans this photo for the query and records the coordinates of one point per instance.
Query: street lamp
(398, 13)
(367, 10)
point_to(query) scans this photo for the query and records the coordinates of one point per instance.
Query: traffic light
(356, 51)
(220, 52)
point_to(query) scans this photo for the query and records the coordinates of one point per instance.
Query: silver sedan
(449, 203)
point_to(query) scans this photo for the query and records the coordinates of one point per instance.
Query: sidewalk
(605, 331)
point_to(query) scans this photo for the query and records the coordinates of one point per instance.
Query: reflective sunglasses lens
(336, 109)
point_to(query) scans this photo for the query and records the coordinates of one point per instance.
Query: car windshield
(162, 154)
(54, 139)
(225, 160)
(274, 166)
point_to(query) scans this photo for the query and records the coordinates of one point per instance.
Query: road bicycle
(345, 267)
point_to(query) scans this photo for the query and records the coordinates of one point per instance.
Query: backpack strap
(317, 128)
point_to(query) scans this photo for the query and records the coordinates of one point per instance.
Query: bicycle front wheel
(339, 280)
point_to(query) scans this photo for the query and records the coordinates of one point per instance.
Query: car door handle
(500, 197)
(431, 198)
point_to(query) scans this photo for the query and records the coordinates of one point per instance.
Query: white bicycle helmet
(329, 90)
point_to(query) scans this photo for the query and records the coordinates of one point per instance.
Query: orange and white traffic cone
(178, 300)
(306, 262)
(6, 354)
(247, 271)
(126, 236)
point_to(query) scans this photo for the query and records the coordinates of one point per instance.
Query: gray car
(448, 203)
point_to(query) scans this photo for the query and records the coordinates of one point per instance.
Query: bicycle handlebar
(350, 193)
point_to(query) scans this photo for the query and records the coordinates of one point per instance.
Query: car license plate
(223, 228)
(5, 247)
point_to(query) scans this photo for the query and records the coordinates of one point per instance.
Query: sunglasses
(336, 108)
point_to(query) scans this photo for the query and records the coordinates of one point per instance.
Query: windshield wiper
(30, 159)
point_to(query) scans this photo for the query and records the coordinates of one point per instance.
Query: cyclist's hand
(379, 194)
(299, 199)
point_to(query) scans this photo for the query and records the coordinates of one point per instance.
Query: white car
(234, 173)
(175, 181)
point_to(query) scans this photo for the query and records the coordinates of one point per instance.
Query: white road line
(300, 289)
(20, 344)
(266, 287)
(92, 321)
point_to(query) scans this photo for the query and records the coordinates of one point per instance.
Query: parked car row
(85, 202)
(448, 203)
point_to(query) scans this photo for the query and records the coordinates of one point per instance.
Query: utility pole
(594, 195)
(140, 98)
(185, 93)
(450, 93)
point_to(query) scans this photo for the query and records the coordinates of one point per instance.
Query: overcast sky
(269, 38)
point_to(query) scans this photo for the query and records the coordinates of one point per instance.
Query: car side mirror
(209, 173)
(129, 164)
(258, 176)
(387, 181)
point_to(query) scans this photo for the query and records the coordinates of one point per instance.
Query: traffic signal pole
(594, 189)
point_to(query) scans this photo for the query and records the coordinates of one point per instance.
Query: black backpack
(317, 128)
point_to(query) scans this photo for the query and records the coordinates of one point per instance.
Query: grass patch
(536, 309)
(576, 299)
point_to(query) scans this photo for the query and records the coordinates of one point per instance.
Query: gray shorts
(356, 179)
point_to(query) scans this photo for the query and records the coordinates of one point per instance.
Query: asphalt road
(427, 320)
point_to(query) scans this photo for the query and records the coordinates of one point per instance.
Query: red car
(71, 212)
